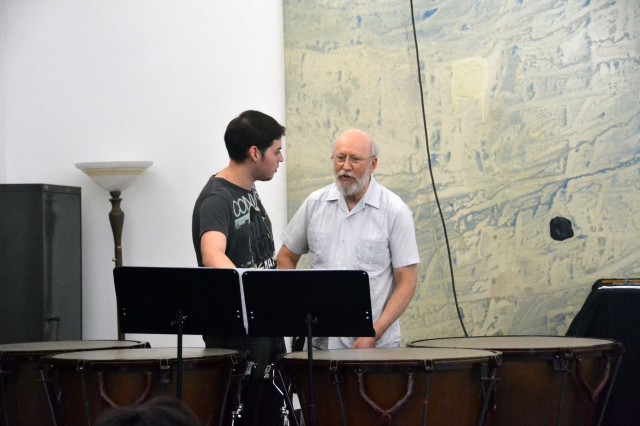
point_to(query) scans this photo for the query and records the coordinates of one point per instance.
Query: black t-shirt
(240, 216)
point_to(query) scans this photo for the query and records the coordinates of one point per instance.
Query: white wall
(145, 80)
(3, 36)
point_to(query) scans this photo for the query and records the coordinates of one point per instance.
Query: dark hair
(248, 129)
(158, 411)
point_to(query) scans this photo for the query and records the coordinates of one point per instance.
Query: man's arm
(213, 245)
(406, 279)
(287, 259)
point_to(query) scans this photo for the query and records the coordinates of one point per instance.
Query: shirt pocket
(372, 254)
(318, 248)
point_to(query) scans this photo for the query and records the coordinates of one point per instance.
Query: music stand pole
(179, 322)
(312, 398)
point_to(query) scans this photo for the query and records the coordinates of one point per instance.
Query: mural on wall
(532, 113)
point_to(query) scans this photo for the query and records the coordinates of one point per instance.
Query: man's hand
(364, 343)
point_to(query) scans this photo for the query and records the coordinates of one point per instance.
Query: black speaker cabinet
(40, 263)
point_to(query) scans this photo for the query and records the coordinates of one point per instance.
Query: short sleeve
(215, 215)
(404, 248)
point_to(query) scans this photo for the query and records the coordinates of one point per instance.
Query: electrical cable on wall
(433, 184)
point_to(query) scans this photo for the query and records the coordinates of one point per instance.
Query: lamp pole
(116, 218)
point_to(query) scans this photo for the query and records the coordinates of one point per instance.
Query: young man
(355, 223)
(231, 229)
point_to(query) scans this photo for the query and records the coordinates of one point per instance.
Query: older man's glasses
(354, 161)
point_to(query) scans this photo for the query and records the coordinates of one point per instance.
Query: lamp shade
(114, 175)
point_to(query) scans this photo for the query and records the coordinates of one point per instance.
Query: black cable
(433, 183)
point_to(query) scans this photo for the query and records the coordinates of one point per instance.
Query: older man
(355, 223)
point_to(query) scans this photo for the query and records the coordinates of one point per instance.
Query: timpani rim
(395, 354)
(45, 347)
(515, 343)
(143, 354)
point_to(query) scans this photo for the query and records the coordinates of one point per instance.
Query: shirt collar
(373, 194)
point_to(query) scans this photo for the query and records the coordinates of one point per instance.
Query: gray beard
(354, 189)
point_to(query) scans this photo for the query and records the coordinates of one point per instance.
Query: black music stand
(179, 300)
(611, 312)
(321, 303)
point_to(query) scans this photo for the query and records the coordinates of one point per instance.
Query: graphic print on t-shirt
(262, 248)
(249, 212)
